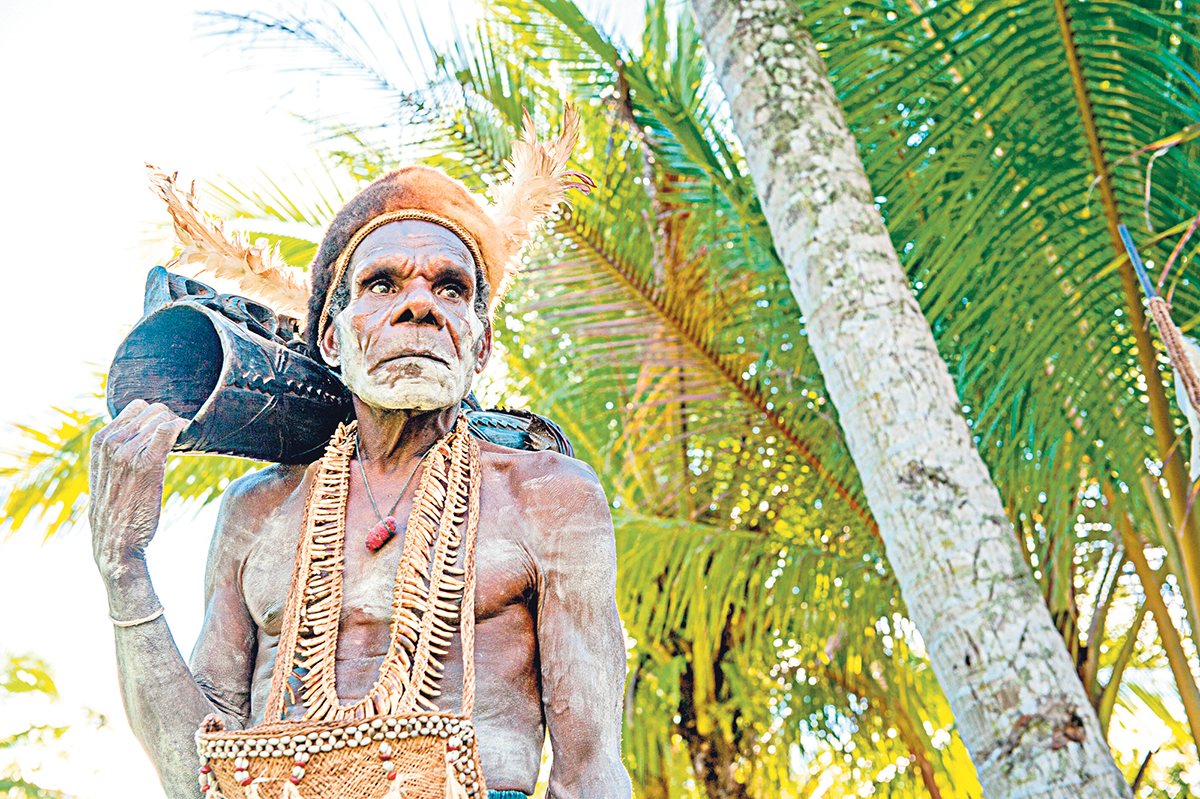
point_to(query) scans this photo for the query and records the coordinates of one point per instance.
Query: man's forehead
(414, 239)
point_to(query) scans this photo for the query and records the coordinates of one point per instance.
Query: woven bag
(426, 756)
(414, 755)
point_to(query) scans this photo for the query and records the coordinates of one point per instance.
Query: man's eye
(380, 287)
(452, 292)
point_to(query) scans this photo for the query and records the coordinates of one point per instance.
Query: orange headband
(339, 268)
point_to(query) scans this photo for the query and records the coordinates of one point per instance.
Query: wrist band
(117, 622)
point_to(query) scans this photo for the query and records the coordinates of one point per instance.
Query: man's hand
(128, 467)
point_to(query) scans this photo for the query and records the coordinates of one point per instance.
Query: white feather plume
(537, 184)
(257, 269)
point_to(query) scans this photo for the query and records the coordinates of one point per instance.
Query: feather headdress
(495, 233)
(257, 268)
(537, 184)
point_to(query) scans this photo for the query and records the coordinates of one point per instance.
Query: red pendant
(380, 534)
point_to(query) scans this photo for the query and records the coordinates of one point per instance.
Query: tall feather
(537, 183)
(257, 268)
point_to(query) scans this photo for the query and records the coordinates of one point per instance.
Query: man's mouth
(429, 356)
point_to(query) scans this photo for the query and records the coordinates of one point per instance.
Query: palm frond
(49, 481)
(620, 280)
(656, 322)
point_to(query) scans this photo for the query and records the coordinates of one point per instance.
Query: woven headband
(339, 268)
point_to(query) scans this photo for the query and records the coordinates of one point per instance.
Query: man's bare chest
(506, 572)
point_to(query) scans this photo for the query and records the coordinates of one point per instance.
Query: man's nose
(416, 304)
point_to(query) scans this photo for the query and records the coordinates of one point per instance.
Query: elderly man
(400, 306)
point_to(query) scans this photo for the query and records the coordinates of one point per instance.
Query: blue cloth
(507, 795)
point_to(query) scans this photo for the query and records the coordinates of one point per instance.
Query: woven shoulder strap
(285, 651)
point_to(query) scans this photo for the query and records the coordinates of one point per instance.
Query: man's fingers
(95, 448)
(125, 426)
(146, 419)
(114, 429)
(153, 415)
(164, 427)
(131, 410)
(127, 414)
(166, 434)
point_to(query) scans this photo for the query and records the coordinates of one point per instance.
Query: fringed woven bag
(393, 742)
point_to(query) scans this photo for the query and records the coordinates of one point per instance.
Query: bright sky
(91, 91)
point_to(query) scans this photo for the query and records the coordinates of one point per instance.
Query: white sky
(90, 92)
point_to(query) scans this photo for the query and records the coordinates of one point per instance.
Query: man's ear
(329, 346)
(484, 348)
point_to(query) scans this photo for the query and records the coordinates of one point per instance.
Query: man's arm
(580, 643)
(165, 704)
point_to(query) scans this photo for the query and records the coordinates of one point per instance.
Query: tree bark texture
(1020, 708)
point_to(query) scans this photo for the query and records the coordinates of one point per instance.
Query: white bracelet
(117, 622)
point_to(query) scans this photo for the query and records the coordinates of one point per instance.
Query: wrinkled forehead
(413, 241)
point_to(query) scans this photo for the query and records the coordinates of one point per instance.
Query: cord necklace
(385, 529)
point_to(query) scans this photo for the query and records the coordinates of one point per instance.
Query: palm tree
(773, 653)
(711, 664)
(925, 184)
(1050, 431)
(997, 653)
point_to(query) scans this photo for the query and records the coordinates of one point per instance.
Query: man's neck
(388, 439)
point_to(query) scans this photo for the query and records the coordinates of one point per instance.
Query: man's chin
(406, 395)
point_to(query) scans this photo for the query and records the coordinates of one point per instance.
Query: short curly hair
(404, 188)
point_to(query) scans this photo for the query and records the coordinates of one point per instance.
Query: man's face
(409, 338)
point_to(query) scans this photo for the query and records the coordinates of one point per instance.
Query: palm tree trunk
(1021, 710)
(714, 759)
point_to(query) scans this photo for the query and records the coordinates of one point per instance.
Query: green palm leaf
(49, 480)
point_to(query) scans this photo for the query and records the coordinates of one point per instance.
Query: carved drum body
(245, 390)
(242, 376)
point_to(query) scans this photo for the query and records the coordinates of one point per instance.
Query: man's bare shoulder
(268, 486)
(246, 504)
(542, 471)
(550, 487)
(253, 497)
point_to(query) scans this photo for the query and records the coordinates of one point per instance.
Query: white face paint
(410, 338)
(407, 382)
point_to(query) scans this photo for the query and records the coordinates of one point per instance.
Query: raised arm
(581, 646)
(164, 702)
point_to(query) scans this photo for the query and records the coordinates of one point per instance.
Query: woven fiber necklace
(427, 589)
(394, 742)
